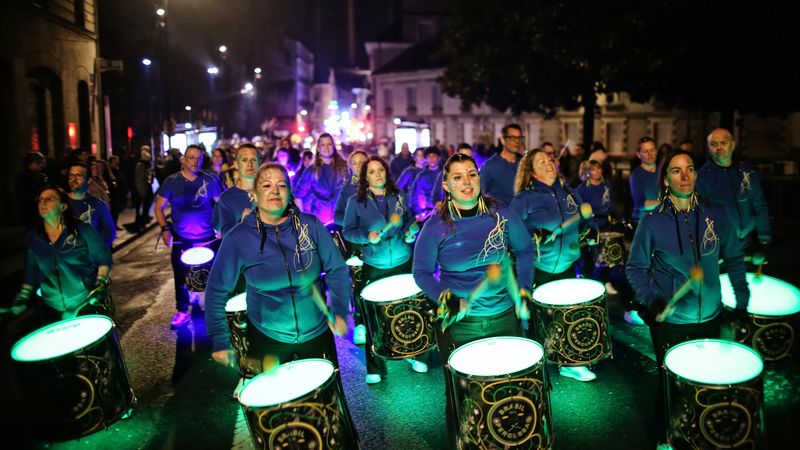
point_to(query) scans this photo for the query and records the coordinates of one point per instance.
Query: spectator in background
(409, 174)
(499, 171)
(219, 167)
(97, 184)
(29, 183)
(119, 199)
(143, 184)
(306, 160)
(401, 161)
(571, 163)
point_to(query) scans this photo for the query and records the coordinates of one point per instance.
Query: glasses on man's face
(514, 138)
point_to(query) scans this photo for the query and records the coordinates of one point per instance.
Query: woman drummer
(319, 185)
(544, 203)
(354, 163)
(66, 259)
(386, 243)
(682, 233)
(468, 235)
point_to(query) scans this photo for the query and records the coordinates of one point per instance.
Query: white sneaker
(360, 335)
(418, 366)
(610, 289)
(373, 378)
(633, 318)
(577, 373)
(238, 389)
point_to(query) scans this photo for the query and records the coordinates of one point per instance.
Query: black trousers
(467, 330)
(179, 269)
(664, 336)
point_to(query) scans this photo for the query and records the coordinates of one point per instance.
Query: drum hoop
(73, 352)
(570, 305)
(760, 374)
(500, 376)
(393, 302)
(325, 384)
(415, 295)
(785, 317)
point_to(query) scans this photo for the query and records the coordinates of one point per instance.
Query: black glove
(656, 307)
(449, 305)
(592, 236)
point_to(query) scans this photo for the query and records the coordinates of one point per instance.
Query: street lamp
(147, 61)
(213, 70)
(160, 12)
(223, 49)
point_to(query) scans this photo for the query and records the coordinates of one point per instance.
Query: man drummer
(191, 193)
(237, 201)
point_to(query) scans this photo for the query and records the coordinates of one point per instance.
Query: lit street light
(187, 108)
(147, 61)
(223, 49)
(248, 86)
(212, 70)
(257, 70)
(160, 12)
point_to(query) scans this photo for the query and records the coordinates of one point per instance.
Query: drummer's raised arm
(426, 256)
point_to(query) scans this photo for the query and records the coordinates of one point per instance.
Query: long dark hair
(338, 164)
(363, 185)
(664, 166)
(444, 210)
(68, 217)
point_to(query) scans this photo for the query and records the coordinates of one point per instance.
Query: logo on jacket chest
(571, 204)
(710, 239)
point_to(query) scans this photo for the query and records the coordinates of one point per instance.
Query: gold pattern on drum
(575, 335)
(300, 425)
(771, 337)
(408, 327)
(725, 417)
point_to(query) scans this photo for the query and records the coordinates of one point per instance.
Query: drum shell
(706, 416)
(197, 276)
(79, 393)
(610, 251)
(771, 336)
(402, 328)
(319, 418)
(573, 335)
(238, 326)
(482, 401)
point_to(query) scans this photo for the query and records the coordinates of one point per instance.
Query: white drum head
(237, 303)
(396, 287)
(496, 356)
(570, 291)
(197, 255)
(286, 382)
(714, 361)
(354, 261)
(61, 338)
(769, 296)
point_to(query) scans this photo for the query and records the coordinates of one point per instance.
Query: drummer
(684, 231)
(319, 185)
(598, 192)
(66, 259)
(237, 201)
(386, 246)
(469, 233)
(544, 203)
(281, 252)
(354, 163)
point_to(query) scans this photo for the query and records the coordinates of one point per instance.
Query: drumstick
(758, 259)
(394, 220)
(493, 272)
(585, 213)
(695, 277)
(323, 307)
(513, 290)
(564, 149)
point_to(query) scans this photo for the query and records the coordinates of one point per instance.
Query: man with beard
(87, 207)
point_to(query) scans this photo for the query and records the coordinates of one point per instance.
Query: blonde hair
(525, 171)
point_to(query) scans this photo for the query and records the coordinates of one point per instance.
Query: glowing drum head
(497, 356)
(61, 338)
(236, 303)
(354, 261)
(197, 256)
(714, 362)
(568, 292)
(769, 296)
(391, 289)
(285, 383)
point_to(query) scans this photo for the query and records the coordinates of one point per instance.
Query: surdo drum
(772, 309)
(355, 264)
(610, 251)
(714, 395)
(236, 315)
(501, 394)
(73, 376)
(198, 261)
(296, 406)
(572, 321)
(400, 318)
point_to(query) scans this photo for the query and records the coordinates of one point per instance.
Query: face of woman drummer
(463, 183)
(272, 192)
(376, 175)
(544, 169)
(681, 176)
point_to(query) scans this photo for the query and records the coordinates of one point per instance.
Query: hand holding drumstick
(376, 236)
(336, 323)
(584, 213)
(452, 309)
(696, 277)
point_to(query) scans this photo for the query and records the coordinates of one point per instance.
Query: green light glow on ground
(61, 338)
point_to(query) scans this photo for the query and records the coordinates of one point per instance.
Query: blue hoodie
(319, 193)
(667, 244)
(95, 212)
(66, 270)
(497, 178)
(546, 207)
(738, 189)
(371, 215)
(228, 211)
(407, 177)
(601, 198)
(348, 190)
(422, 194)
(280, 272)
(644, 186)
(461, 257)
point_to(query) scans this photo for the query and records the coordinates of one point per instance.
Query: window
(411, 97)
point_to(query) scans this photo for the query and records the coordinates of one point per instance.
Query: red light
(72, 132)
(301, 128)
(130, 133)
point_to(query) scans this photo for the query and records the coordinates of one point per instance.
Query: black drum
(400, 318)
(610, 251)
(501, 394)
(572, 321)
(714, 395)
(73, 374)
(236, 315)
(198, 262)
(296, 406)
(768, 328)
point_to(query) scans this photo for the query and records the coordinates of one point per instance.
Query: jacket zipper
(291, 286)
